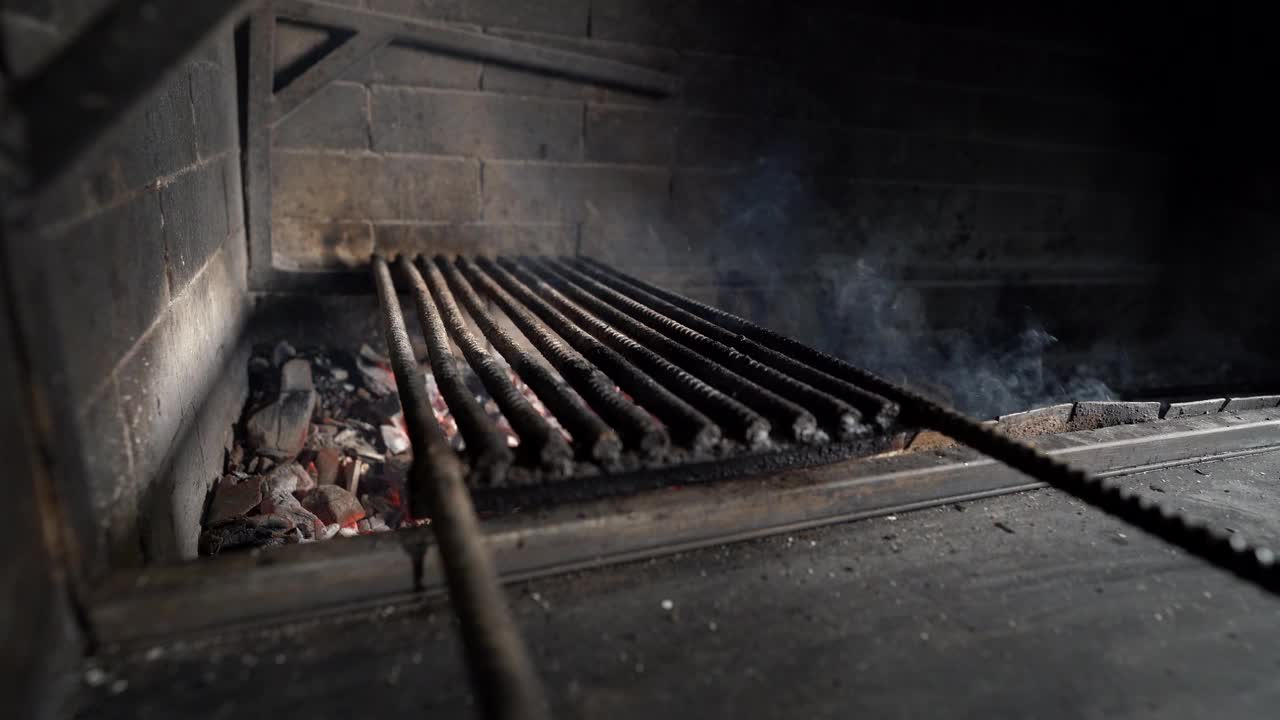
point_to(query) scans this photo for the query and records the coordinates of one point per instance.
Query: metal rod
(687, 425)
(788, 418)
(637, 428)
(502, 677)
(1229, 551)
(540, 443)
(592, 438)
(486, 445)
(743, 422)
(877, 409)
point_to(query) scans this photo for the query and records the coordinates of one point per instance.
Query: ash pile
(321, 452)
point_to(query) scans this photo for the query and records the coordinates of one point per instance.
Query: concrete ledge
(1257, 402)
(1094, 415)
(1041, 421)
(1197, 407)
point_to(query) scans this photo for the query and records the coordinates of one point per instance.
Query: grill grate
(648, 393)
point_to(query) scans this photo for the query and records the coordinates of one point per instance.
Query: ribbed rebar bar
(790, 420)
(878, 410)
(502, 675)
(741, 421)
(1228, 550)
(832, 411)
(485, 444)
(736, 418)
(637, 428)
(591, 437)
(540, 443)
(686, 424)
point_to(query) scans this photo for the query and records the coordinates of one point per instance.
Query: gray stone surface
(636, 136)
(155, 139)
(337, 117)
(334, 186)
(213, 80)
(516, 192)
(1256, 402)
(480, 238)
(400, 65)
(301, 244)
(1040, 421)
(475, 125)
(111, 479)
(433, 9)
(195, 222)
(108, 284)
(1195, 407)
(564, 17)
(1094, 415)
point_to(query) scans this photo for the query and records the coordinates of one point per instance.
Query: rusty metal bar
(687, 425)
(834, 412)
(743, 422)
(540, 443)
(592, 438)
(790, 419)
(502, 676)
(638, 428)
(877, 409)
(486, 445)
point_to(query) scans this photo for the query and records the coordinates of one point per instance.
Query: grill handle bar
(503, 680)
(1229, 551)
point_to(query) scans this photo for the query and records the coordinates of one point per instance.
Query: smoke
(839, 290)
(880, 324)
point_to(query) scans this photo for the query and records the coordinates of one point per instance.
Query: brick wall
(130, 277)
(1007, 151)
(965, 149)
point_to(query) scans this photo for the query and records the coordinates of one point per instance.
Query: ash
(321, 452)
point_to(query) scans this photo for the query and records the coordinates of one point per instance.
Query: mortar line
(55, 229)
(159, 319)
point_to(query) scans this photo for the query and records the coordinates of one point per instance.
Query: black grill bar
(783, 413)
(540, 443)
(502, 675)
(592, 438)
(687, 425)
(637, 428)
(879, 410)
(740, 420)
(486, 445)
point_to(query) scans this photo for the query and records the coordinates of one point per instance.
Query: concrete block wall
(847, 129)
(136, 264)
(981, 161)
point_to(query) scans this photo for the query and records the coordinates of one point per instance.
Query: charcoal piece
(245, 533)
(332, 505)
(233, 498)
